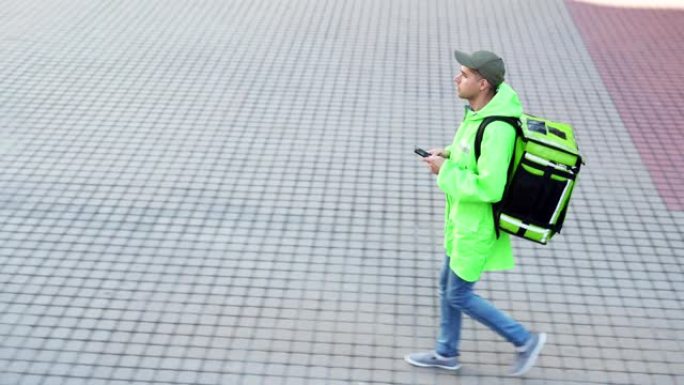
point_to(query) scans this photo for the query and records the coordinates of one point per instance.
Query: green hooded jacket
(472, 186)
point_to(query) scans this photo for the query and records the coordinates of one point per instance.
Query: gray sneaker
(528, 354)
(433, 360)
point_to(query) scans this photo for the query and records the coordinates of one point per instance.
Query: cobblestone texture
(224, 192)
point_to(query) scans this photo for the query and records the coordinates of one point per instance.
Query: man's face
(469, 83)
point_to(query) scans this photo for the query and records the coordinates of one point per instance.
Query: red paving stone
(640, 54)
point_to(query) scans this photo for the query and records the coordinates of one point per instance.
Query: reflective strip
(558, 210)
(544, 162)
(515, 222)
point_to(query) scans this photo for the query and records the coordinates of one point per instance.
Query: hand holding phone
(421, 152)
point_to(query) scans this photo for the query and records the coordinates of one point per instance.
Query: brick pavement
(224, 192)
(638, 53)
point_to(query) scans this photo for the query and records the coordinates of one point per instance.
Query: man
(470, 239)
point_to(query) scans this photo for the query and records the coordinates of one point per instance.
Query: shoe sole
(421, 365)
(533, 356)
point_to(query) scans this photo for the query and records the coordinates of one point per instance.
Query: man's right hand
(439, 152)
(434, 162)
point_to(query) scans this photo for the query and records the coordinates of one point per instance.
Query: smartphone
(421, 152)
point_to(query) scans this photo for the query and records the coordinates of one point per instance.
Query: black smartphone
(421, 152)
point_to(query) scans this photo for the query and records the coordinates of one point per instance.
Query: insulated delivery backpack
(541, 176)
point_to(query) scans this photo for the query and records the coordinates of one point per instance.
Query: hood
(504, 103)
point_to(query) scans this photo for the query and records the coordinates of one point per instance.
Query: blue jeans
(457, 297)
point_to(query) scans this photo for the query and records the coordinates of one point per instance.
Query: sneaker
(433, 360)
(527, 355)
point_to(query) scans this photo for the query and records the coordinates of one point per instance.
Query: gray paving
(224, 192)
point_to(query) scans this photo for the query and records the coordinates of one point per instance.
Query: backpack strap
(515, 122)
(517, 125)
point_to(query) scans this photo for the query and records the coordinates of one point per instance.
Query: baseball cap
(487, 63)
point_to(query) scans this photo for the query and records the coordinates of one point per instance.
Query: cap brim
(464, 59)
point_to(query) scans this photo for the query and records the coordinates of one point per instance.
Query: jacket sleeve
(487, 182)
(448, 149)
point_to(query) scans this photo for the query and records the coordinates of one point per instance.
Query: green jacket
(470, 187)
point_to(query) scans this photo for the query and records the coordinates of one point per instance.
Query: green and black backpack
(541, 177)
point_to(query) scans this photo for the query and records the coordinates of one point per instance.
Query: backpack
(541, 176)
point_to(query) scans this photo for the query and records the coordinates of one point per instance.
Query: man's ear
(485, 84)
